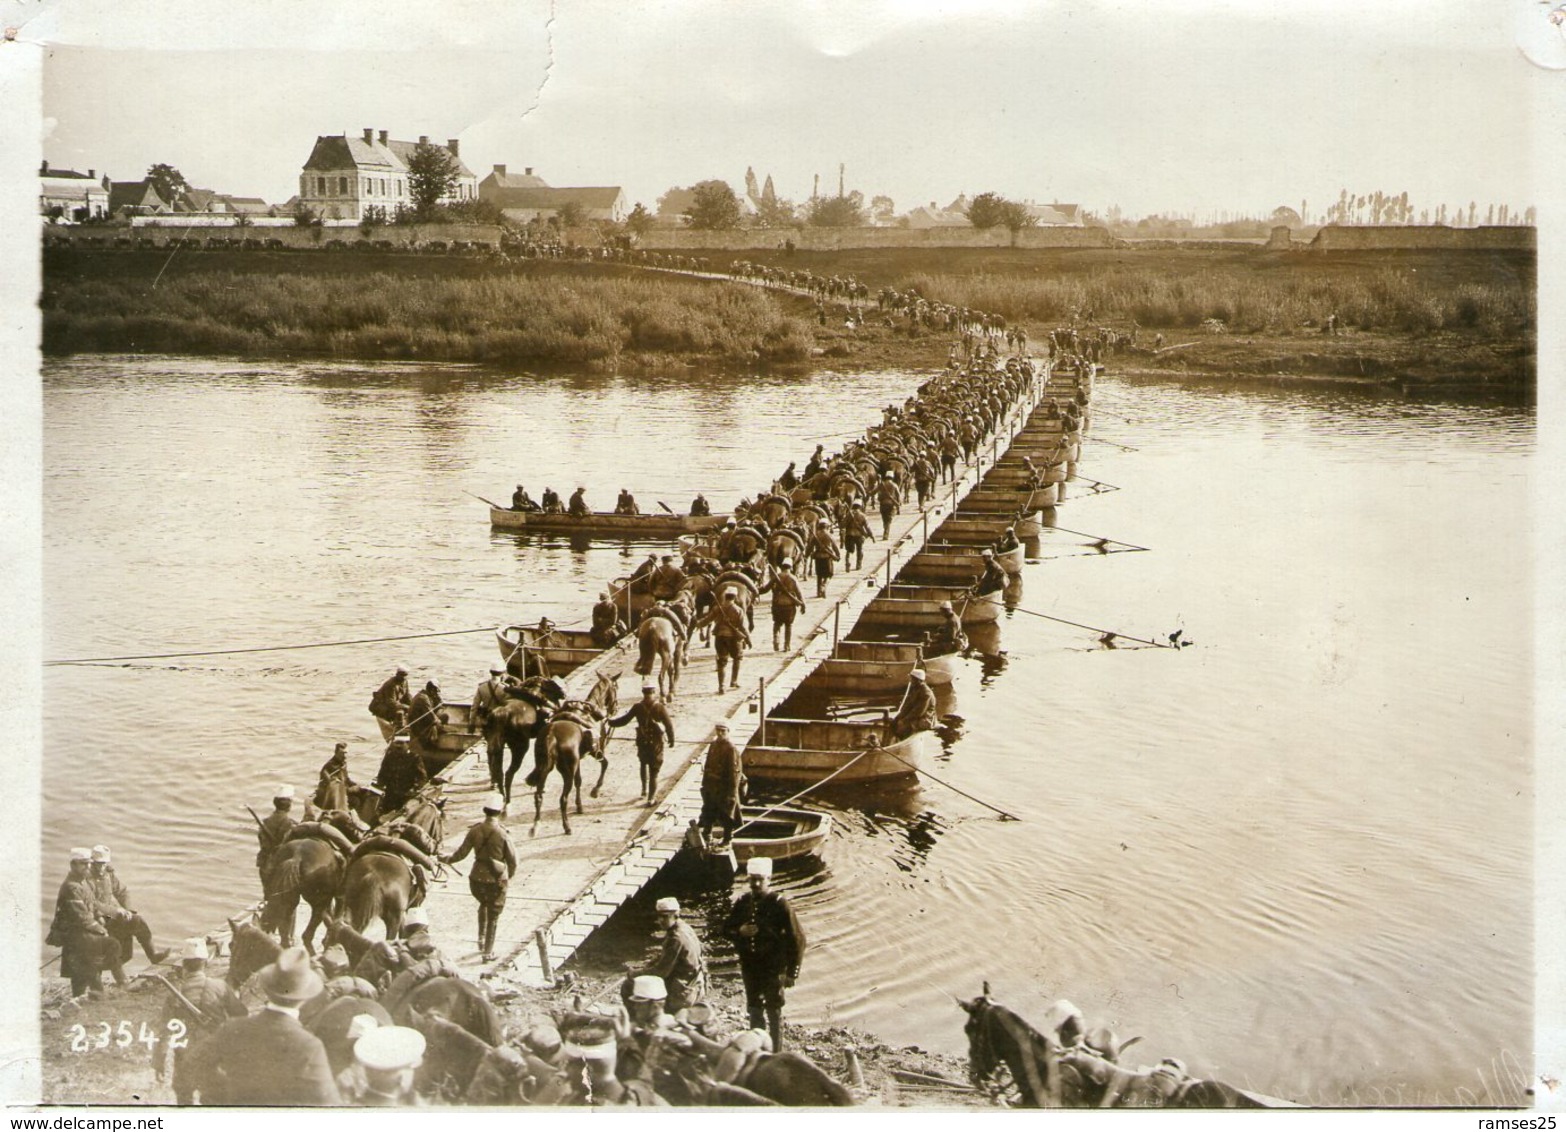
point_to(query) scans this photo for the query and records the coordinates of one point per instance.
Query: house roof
(196, 200)
(245, 204)
(339, 151)
(514, 181)
(50, 172)
(926, 216)
(134, 194)
(598, 196)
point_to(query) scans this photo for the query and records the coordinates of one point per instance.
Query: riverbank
(77, 1072)
(1428, 321)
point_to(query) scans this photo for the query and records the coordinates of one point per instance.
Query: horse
(1049, 1071)
(446, 996)
(791, 1078)
(745, 587)
(423, 822)
(657, 639)
(307, 867)
(520, 719)
(569, 738)
(378, 884)
(249, 950)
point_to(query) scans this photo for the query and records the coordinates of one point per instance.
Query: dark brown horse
(378, 884)
(577, 731)
(520, 720)
(303, 867)
(1048, 1074)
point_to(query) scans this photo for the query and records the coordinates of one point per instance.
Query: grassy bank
(1435, 319)
(519, 317)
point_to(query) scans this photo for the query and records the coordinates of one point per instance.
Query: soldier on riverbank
(87, 948)
(722, 785)
(771, 946)
(112, 903)
(191, 1014)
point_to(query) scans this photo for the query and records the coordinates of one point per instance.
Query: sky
(1204, 105)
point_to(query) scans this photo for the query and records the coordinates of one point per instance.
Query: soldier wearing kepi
(918, 712)
(77, 930)
(679, 964)
(607, 626)
(269, 1058)
(730, 637)
(112, 902)
(193, 1012)
(391, 700)
(722, 785)
(490, 695)
(652, 724)
(666, 579)
(823, 548)
(333, 785)
(494, 864)
(787, 601)
(771, 946)
(274, 830)
(388, 1056)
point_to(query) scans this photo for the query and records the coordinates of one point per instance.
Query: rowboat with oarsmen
(607, 523)
(808, 750)
(920, 606)
(457, 735)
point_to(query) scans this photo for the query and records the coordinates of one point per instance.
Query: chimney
(451, 144)
(383, 137)
(92, 174)
(369, 135)
(528, 170)
(44, 168)
(424, 139)
(500, 171)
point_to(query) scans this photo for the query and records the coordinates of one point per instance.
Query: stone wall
(837, 239)
(1352, 237)
(291, 235)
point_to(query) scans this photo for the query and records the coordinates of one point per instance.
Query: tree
(987, 210)
(882, 208)
(169, 182)
(713, 205)
(772, 212)
(837, 212)
(432, 174)
(1283, 214)
(640, 221)
(571, 214)
(1015, 217)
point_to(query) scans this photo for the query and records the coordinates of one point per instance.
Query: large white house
(76, 196)
(345, 175)
(523, 197)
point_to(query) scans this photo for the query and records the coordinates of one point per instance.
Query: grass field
(1459, 317)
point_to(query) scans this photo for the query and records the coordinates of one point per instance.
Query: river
(1297, 854)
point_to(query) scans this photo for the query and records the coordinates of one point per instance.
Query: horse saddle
(581, 719)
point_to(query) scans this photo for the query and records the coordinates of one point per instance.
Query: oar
(667, 508)
(491, 502)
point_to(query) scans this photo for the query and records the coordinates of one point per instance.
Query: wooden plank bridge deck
(568, 885)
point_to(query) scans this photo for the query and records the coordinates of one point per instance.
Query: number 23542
(102, 1035)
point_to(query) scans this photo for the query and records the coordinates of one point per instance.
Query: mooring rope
(1095, 629)
(275, 648)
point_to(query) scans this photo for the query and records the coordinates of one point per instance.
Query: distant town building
(524, 197)
(345, 175)
(136, 198)
(675, 203)
(77, 196)
(933, 215)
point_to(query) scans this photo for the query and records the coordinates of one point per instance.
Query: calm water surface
(1297, 854)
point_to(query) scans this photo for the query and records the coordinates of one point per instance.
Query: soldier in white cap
(391, 701)
(993, 578)
(949, 638)
(77, 929)
(274, 829)
(680, 963)
(112, 900)
(191, 1014)
(389, 1055)
(490, 695)
(771, 946)
(917, 711)
(494, 864)
(890, 496)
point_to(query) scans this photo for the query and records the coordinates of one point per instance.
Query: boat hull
(567, 651)
(779, 832)
(604, 523)
(458, 735)
(925, 612)
(809, 765)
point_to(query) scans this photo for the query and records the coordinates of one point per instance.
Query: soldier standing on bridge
(494, 864)
(490, 695)
(652, 724)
